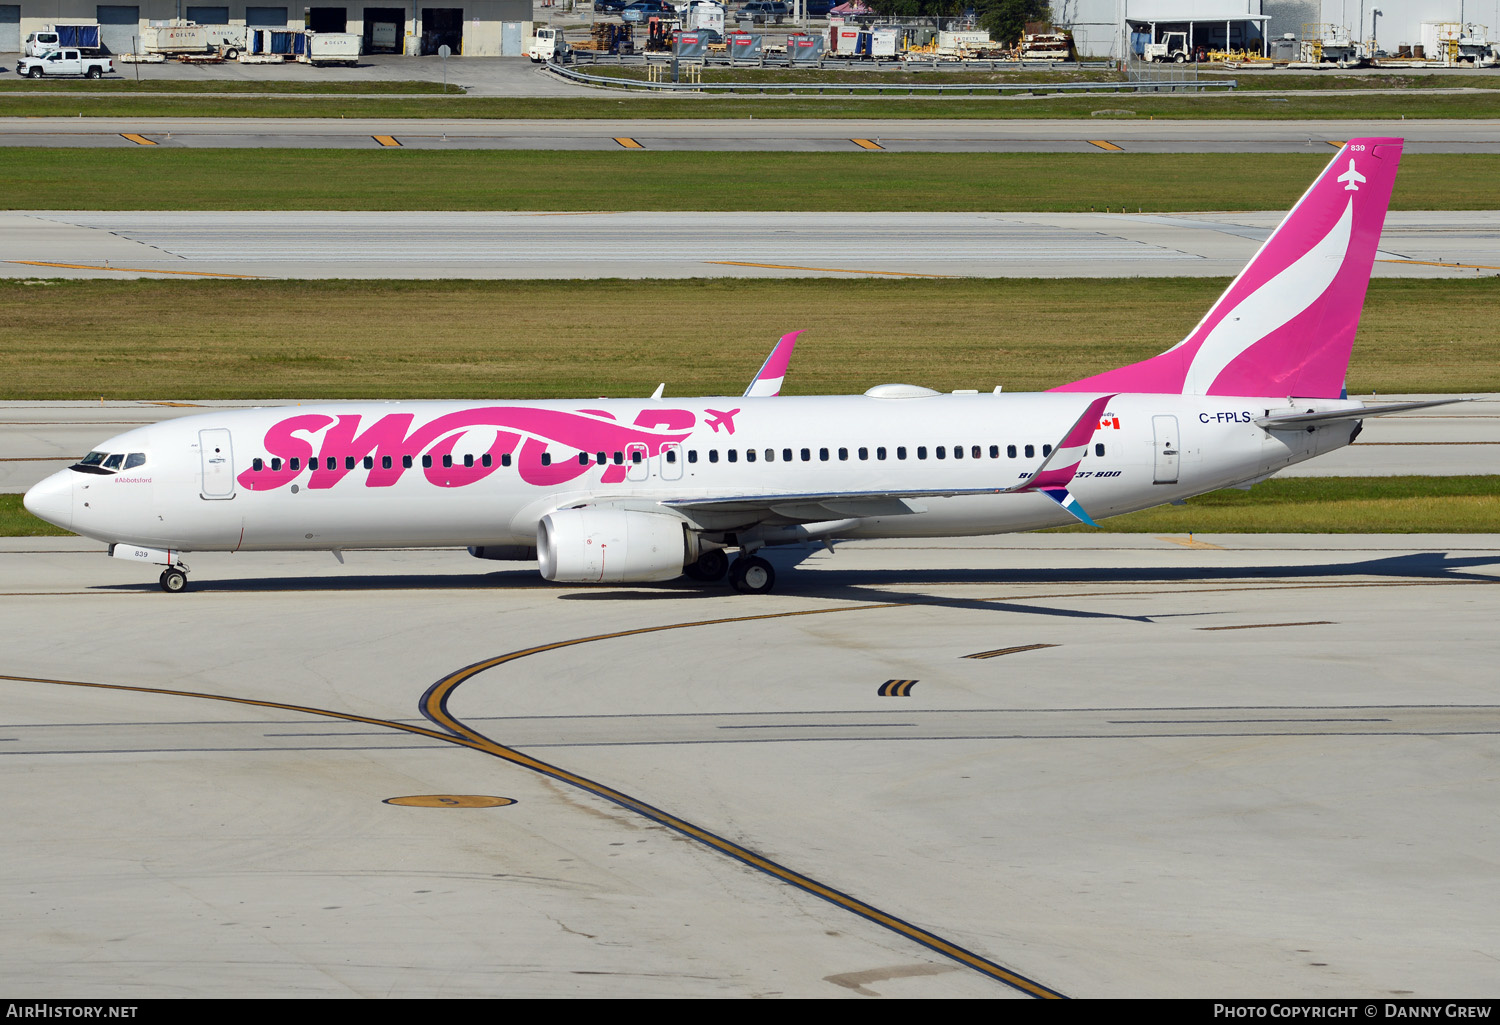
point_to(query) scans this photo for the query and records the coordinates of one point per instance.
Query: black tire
(710, 566)
(231, 55)
(95, 73)
(35, 72)
(752, 575)
(173, 580)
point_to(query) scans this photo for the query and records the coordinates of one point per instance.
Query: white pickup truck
(64, 62)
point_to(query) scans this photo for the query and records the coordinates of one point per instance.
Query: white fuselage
(395, 474)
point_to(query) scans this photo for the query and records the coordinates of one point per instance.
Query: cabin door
(218, 463)
(1167, 449)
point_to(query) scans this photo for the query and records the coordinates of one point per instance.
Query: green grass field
(1252, 104)
(398, 179)
(1319, 505)
(531, 339)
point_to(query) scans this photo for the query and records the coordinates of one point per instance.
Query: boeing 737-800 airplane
(616, 490)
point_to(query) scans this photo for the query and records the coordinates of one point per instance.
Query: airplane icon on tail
(1352, 177)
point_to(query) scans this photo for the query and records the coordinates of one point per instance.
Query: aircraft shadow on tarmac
(884, 585)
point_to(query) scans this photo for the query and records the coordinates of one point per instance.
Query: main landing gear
(173, 580)
(748, 574)
(751, 574)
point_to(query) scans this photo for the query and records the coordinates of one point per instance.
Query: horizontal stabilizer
(1298, 421)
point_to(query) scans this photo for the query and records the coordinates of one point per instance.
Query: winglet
(773, 371)
(1069, 504)
(1053, 481)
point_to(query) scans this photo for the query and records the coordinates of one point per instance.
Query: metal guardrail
(850, 88)
(780, 60)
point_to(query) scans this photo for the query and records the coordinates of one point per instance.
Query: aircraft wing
(1051, 478)
(1297, 421)
(768, 381)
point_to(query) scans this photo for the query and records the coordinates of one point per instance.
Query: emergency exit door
(218, 463)
(1168, 449)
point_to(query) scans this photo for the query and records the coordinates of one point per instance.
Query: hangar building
(474, 28)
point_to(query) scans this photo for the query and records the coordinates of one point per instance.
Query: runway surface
(40, 438)
(1123, 766)
(1102, 135)
(314, 244)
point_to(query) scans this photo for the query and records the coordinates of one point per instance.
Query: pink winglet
(1286, 325)
(1058, 469)
(773, 371)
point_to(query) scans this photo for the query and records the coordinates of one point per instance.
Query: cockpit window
(135, 459)
(92, 463)
(112, 461)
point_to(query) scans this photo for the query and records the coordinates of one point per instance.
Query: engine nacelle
(504, 553)
(610, 546)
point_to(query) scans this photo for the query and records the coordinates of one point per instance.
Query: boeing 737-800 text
(615, 490)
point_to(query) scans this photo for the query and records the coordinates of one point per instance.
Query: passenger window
(1030, 451)
(600, 458)
(880, 452)
(348, 462)
(296, 463)
(713, 455)
(135, 459)
(1099, 449)
(749, 455)
(941, 453)
(583, 459)
(1010, 451)
(864, 453)
(692, 455)
(732, 454)
(921, 451)
(900, 451)
(505, 459)
(406, 462)
(369, 462)
(975, 452)
(619, 458)
(823, 454)
(770, 455)
(807, 455)
(333, 462)
(426, 462)
(786, 455)
(257, 464)
(843, 453)
(275, 463)
(448, 460)
(546, 459)
(486, 460)
(385, 463)
(1046, 450)
(958, 451)
(994, 452)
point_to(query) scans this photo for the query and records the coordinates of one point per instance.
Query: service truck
(548, 45)
(65, 62)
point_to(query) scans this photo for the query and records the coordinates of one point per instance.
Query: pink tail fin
(1286, 325)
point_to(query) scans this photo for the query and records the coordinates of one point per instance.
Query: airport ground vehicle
(332, 48)
(62, 37)
(1172, 48)
(763, 12)
(632, 490)
(60, 63)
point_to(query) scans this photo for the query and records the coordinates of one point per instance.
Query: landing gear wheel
(711, 565)
(752, 575)
(173, 580)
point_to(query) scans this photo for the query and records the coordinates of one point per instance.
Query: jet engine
(608, 546)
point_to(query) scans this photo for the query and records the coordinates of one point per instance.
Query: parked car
(64, 62)
(644, 10)
(763, 12)
(610, 5)
(706, 35)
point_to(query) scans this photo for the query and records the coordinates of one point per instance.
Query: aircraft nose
(52, 500)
